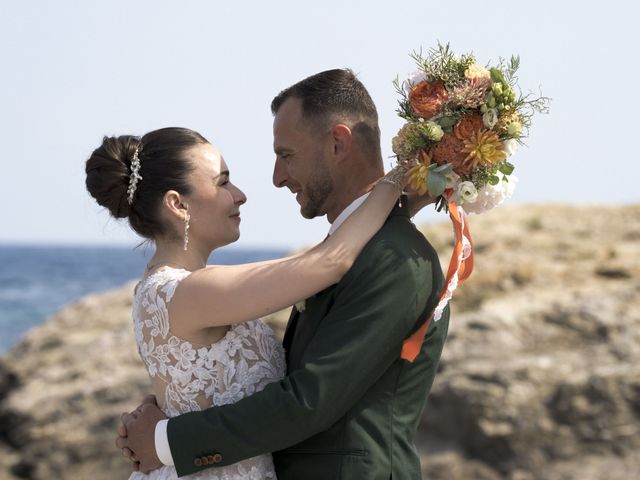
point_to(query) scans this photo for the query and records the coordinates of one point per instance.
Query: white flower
(491, 196)
(514, 129)
(476, 71)
(466, 193)
(452, 179)
(510, 146)
(434, 131)
(414, 79)
(490, 118)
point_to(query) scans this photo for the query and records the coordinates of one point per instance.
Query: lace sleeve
(151, 319)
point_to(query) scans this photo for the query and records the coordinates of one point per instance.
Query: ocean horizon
(38, 280)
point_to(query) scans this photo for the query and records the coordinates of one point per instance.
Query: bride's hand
(399, 176)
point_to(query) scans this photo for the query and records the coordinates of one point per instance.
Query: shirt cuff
(162, 443)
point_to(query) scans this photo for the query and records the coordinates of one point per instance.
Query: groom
(349, 406)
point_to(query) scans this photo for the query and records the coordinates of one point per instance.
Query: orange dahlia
(467, 126)
(483, 148)
(427, 98)
(448, 149)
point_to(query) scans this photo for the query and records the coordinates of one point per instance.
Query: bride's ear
(174, 204)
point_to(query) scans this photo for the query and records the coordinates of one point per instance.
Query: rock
(540, 376)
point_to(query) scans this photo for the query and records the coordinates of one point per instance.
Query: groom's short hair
(336, 95)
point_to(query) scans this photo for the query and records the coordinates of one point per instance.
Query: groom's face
(302, 159)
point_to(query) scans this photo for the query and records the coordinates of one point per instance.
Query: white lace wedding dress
(195, 377)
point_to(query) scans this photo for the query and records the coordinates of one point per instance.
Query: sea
(36, 281)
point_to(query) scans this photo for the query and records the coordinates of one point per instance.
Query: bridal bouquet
(463, 123)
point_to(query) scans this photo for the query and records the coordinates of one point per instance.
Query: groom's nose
(279, 173)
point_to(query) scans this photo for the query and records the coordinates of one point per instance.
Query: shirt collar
(347, 212)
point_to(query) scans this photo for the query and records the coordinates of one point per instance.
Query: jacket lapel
(290, 332)
(401, 208)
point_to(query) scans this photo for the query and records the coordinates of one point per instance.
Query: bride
(195, 324)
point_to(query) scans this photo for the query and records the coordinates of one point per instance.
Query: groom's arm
(378, 303)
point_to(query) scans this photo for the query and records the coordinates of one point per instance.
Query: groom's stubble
(318, 190)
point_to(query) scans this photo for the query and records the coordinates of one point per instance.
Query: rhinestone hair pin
(135, 176)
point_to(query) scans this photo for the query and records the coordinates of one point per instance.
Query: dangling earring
(186, 231)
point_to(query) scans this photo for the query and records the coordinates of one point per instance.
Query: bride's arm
(226, 295)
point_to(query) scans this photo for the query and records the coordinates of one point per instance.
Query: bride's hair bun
(108, 171)
(163, 166)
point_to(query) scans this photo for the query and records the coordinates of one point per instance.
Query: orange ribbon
(458, 266)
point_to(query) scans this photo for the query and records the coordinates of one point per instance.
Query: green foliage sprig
(441, 64)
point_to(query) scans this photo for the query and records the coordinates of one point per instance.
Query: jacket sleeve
(377, 305)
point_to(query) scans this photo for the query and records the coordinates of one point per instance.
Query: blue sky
(74, 71)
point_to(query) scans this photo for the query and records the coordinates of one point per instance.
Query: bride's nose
(238, 196)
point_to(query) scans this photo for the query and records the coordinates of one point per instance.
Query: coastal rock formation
(540, 377)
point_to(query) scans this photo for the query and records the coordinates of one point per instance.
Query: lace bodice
(194, 377)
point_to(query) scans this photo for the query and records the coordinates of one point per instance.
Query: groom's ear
(342, 141)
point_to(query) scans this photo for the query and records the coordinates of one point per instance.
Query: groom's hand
(136, 435)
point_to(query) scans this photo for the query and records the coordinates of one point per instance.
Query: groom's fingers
(122, 442)
(128, 417)
(128, 453)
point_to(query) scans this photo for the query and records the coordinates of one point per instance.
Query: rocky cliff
(540, 378)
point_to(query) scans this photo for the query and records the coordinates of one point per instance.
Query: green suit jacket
(349, 406)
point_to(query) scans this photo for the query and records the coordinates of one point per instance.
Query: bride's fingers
(122, 430)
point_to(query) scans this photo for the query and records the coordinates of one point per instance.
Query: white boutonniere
(301, 305)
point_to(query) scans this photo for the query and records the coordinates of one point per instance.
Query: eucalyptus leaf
(494, 180)
(436, 184)
(443, 169)
(447, 122)
(497, 76)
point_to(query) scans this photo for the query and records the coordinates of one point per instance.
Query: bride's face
(214, 202)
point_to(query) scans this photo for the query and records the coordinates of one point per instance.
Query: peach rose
(427, 98)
